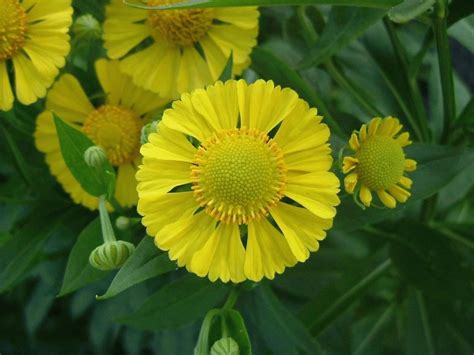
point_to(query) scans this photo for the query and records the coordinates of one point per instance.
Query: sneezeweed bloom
(114, 125)
(258, 175)
(379, 163)
(175, 51)
(34, 42)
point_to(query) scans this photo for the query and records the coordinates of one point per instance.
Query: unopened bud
(87, 28)
(111, 255)
(122, 223)
(147, 130)
(95, 156)
(225, 346)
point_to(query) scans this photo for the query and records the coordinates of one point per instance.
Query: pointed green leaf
(227, 71)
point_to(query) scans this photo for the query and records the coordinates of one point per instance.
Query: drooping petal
(387, 199)
(6, 94)
(125, 187)
(410, 165)
(365, 195)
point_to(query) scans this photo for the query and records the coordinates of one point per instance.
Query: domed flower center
(238, 175)
(117, 130)
(181, 27)
(381, 162)
(12, 28)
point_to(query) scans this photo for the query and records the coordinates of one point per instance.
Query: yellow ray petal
(350, 182)
(126, 186)
(373, 126)
(400, 194)
(365, 195)
(405, 182)
(349, 164)
(354, 142)
(404, 139)
(6, 94)
(410, 165)
(387, 199)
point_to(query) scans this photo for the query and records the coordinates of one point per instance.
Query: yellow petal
(126, 186)
(387, 199)
(350, 182)
(404, 139)
(365, 195)
(410, 165)
(349, 164)
(400, 194)
(363, 133)
(354, 142)
(405, 182)
(6, 94)
(373, 126)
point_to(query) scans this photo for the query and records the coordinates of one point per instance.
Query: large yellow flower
(115, 125)
(257, 174)
(34, 38)
(379, 163)
(174, 51)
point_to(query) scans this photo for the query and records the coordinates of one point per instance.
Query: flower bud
(225, 346)
(87, 28)
(95, 156)
(122, 223)
(111, 255)
(146, 130)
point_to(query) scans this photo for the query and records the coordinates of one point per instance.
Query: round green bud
(225, 346)
(122, 223)
(111, 255)
(147, 130)
(87, 28)
(95, 156)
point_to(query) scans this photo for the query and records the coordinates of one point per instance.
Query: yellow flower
(260, 149)
(174, 51)
(34, 40)
(115, 125)
(379, 163)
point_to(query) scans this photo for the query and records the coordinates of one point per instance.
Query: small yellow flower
(175, 51)
(114, 125)
(257, 175)
(379, 163)
(34, 40)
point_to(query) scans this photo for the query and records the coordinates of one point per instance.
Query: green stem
(386, 315)
(232, 298)
(454, 236)
(420, 126)
(108, 234)
(445, 67)
(426, 324)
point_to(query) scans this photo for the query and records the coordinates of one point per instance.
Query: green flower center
(181, 27)
(117, 130)
(13, 25)
(238, 175)
(381, 162)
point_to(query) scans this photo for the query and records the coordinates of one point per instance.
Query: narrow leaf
(227, 72)
(145, 263)
(79, 272)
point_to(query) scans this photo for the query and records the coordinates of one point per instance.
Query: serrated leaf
(145, 263)
(180, 302)
(73, 145)
(79, 272)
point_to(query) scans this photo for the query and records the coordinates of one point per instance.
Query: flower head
(34, 39)
(257, 175)
(175, 51)
(379, 163)
(114, 125)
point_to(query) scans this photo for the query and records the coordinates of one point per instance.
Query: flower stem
(232, 298)
(420, 126)
(108, 234)
(445, 66)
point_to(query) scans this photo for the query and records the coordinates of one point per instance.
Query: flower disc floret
(13, 25)
(238, 175)
(180, 27)
(381, 162)
(117, 130)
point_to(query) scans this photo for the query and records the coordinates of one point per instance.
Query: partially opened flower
(34, 42)
(379, 163)
(114, 125)
(253, 195)
(176, 51)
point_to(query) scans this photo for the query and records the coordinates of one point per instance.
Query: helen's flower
(114, 125)
(34, 40)
(379, 163)
(259, 177)
(174, 51)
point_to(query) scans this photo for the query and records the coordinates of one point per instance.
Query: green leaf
(145, 263)
(227, 72)
(467, 115)
(73, 145)
(19, 254)
(236, 330)
(437, 167)
(344, 25)
(382, 4)
(79, 272)
(331, 301)
(181, 302)
(282, 332)
(429, 261)
(271, 67)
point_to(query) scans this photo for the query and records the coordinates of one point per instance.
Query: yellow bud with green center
(381, 162)
(238, 175)
(111, 255)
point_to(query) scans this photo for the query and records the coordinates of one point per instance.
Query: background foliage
(384, 282)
